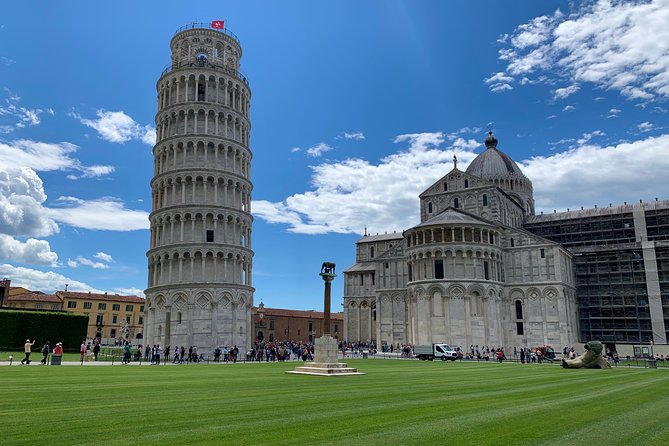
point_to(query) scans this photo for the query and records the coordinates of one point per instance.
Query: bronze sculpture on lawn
(591, 359)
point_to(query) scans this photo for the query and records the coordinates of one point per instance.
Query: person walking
(96, 350)
(82, 350)
(45, 352)
(27, 350)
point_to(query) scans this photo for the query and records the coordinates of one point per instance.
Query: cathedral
(482, 269)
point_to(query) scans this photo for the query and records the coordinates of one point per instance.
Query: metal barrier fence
(115, 358)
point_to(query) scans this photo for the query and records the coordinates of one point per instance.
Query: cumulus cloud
(21, 204)
(117, 127)
(32, 251)
(591, 174)
(318, 149)
(107, 213)
(48, 281)
(615, 45)
(350, 194)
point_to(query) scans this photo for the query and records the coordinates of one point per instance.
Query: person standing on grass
(96, 350)
(126, 353)
(82, 350)
(45, 352)
(27, 347)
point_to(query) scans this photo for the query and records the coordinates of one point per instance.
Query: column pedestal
(325, 361)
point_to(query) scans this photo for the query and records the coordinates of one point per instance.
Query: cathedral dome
(494, 164)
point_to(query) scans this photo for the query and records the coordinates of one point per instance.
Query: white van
(432, 351)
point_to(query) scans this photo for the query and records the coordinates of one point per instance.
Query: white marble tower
(200, 259)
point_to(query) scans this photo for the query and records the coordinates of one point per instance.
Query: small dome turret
(491, 141)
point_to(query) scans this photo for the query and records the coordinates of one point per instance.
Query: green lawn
(397, 402)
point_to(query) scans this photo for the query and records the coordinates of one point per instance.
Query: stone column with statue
(326, 347)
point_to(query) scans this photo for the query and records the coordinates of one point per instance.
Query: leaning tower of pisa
(200, 259)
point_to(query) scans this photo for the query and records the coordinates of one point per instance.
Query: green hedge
(42, 326)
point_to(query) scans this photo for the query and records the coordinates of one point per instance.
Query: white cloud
(318, 149)
(37, 155)
(568, 108)
(21, 204)
(118, 127)
(586, 137)
(499, 82)
(591, 174)
(19, 116)
(43, 157)
(295, 149)
(106, 213)
(500, 87)
(47, 282)
(613, 113)
(616, 45)
(562, 93)
(104, 257)
(357, 136)
(149, 135)
(31, 251)
(87, 262)
(645, 126)
(350, 194)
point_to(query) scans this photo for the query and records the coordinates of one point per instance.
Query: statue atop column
(326, 347)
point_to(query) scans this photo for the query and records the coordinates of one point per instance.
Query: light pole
(261, 316)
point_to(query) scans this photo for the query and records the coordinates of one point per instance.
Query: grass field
(397, 402)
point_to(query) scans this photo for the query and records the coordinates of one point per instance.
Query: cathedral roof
(493, 163)
(453, 216)
(361, 266)
(380, 237)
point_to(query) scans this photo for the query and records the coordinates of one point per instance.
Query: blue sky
(357, 107)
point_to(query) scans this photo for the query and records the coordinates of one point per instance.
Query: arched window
(466, 183)
(485, 199)
(519, 309)
(371, 252)
(429, 208)
(456, 203)
(445, 187)
(513, 243)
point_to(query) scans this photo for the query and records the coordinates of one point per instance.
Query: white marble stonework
(200, 288)
(467, 273)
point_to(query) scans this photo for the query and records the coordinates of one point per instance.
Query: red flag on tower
(218, 24)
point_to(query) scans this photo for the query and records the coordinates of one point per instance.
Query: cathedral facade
(469, 273)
